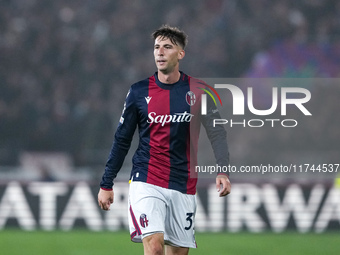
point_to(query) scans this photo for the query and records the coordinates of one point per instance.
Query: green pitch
(16, 242)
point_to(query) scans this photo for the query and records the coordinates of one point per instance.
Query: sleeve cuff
(106, 189)
(223, 174)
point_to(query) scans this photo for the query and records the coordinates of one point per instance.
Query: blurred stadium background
(65, 67)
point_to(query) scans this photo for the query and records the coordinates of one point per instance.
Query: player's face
(167, 55)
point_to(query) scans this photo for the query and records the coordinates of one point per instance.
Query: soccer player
(166, 107)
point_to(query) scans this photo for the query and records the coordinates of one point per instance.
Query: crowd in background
(65, 66)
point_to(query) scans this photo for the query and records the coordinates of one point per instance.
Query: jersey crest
(190, 98)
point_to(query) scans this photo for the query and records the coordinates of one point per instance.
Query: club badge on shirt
(190, 97)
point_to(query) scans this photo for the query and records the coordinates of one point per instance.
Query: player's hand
(223, 185)
(105, 199)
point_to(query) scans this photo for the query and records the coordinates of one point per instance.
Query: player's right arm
(120, 147)
(105, 198)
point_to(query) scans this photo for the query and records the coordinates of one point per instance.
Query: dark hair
(176, 36)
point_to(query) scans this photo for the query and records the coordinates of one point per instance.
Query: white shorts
(154, 209)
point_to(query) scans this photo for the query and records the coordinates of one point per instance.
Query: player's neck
(169, 78)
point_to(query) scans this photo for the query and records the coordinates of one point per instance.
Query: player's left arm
(223, 185)
(218, 139)
(216, 134)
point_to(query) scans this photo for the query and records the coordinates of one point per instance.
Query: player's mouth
(161, 62)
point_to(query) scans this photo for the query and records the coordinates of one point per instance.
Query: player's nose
(160, 51)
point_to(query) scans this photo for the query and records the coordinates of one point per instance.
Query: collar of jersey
(168, 86)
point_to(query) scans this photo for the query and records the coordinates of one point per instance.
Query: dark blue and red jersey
(168, 117)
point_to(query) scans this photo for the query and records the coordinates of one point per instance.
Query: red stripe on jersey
(191, 183)
(159, 162)
(192, 141)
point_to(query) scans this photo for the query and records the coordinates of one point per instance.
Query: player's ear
(181, 54)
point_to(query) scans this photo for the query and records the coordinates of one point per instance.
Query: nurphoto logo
(239, 103)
